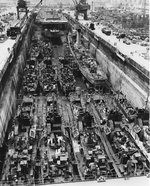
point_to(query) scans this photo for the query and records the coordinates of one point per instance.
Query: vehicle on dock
(13, 32)
(3, 38)
(106, 31)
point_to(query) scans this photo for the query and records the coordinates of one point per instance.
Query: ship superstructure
(53, 22)
(68, 123)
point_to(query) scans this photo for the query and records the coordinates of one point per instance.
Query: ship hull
(53, 139)
(97, 78)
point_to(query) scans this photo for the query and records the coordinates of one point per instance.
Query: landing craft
(66, 115)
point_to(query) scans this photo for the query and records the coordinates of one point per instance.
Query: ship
(64, 129)
(88, 66)
(54, 23)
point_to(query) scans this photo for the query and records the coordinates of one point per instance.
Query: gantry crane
(22, 7)
(81, 7)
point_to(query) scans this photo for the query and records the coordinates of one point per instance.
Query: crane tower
(81, 7)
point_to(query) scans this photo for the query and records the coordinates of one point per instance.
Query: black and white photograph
(74, 93)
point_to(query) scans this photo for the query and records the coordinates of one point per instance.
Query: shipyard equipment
(106, 31)
(12, 32)
(22, 7)
(81, 7)
(60, 120)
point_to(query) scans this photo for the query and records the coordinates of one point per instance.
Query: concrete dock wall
(123, 73)
(119, 80)
(13, 75)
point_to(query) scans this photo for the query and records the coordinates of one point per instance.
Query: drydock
(66, 123)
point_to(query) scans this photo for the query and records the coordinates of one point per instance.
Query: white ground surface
(4, 53)
(138, 181)
(133, 51)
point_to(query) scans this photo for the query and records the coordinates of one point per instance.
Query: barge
(54, 24)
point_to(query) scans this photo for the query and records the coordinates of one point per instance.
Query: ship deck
(47, 16)
(65, 130)
(7, 45)
(134, 51)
